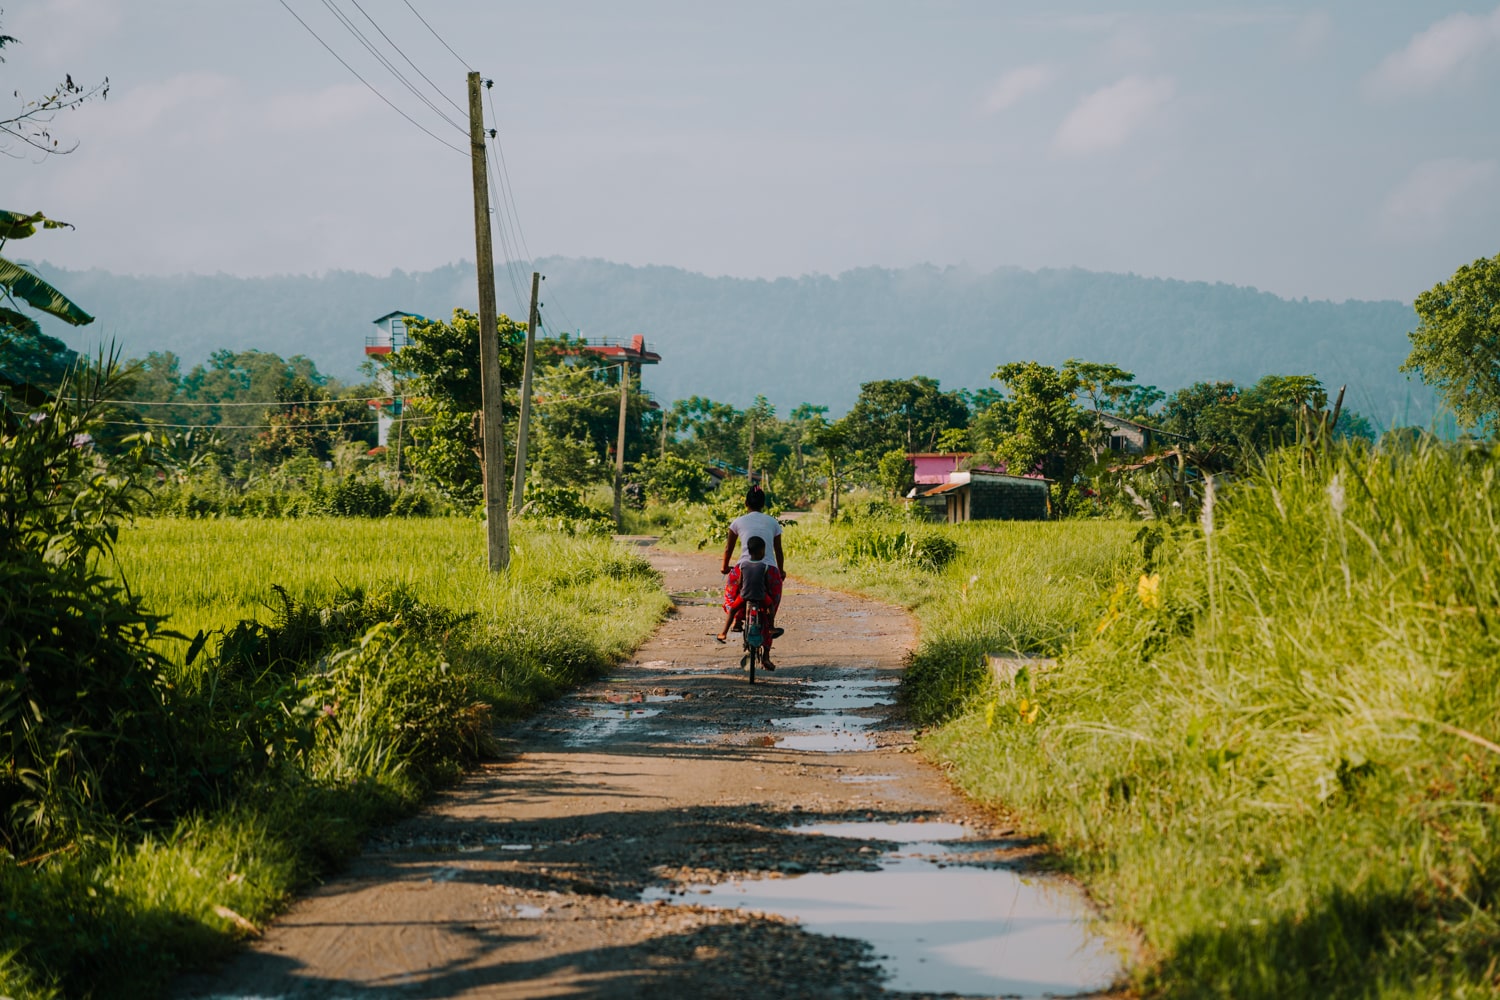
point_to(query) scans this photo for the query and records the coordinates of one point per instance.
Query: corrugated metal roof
(945, 488)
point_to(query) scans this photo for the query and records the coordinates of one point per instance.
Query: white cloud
(1109, 116)
(1437, 54)
(1433, 195)
(1017, 85)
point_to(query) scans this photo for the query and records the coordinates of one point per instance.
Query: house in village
(950, 494)
(1126, 437)
(389, 337)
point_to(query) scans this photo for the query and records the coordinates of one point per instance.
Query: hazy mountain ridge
(825, 334)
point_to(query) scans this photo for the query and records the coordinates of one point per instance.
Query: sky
(1341, 150)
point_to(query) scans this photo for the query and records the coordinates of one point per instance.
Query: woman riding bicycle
(754, 525)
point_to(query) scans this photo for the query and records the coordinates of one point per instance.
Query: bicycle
(754, 639)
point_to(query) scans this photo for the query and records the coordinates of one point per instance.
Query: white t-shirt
(756, 524)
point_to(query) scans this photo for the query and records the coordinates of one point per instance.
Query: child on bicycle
(757, 580)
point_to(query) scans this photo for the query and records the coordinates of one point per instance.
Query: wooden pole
(497, 527)
(518, 495)
(750, 455)
(620, 440)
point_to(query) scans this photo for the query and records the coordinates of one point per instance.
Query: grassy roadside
(1270, 746)
(404, 648)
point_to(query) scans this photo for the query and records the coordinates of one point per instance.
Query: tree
(440, 366)
(905, 415)
(30, 124)
(834, 441)
(29, 357)
(1050, 428)
(1456, 345)
(895, 472)
(1104, 384)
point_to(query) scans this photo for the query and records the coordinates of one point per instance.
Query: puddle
(895, 831)
(836, 741)
(937, 925)
(836, 727)
(865, 779)
(525, 912)
(600, 723)
(637, 698)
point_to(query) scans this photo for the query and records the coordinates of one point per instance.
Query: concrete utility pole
(493, 461)
(620, 440)
(518, 495)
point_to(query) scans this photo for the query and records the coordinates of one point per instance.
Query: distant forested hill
(811, 339)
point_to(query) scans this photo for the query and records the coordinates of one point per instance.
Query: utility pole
(664, 416)
(519, 494)
(750, 456)
(620, 440)
(497, 527)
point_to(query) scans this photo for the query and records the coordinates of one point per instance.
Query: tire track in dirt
(525, 880)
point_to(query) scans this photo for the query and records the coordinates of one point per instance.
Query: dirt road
(663, 831)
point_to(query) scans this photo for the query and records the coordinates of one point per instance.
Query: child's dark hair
(755, 498)
(756, 546)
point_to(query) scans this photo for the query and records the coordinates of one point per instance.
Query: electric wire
(269, 402)
(363, 39)
(439, 37)
(250, 427)
(371, 87)
(505, 173)
(456, 106)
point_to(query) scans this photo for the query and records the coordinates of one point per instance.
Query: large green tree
(440, 367)
(1456, 345)
(906, 415)
(1049, 430)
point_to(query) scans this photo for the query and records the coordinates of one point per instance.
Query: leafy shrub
(564, 510)
(255, 683)
(390, 705)
(673, 479)
(84, 706)
(928, 551)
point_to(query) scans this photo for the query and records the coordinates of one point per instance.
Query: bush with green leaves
(672, 479)
(299, 487)
(85, 709)
(564, 510)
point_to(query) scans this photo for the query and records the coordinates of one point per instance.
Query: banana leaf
(18, 226)
(36, 292)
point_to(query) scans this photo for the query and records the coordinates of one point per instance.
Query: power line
(500, 150)
(456, 106)
(439, 37)
(270, 402)
(248, 427)
(367, 83)
(363, 39)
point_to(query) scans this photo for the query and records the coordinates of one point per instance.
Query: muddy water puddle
(938, 922)
(835, 725)
(597, 723)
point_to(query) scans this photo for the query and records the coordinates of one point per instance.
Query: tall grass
(565, 605)
(1014, 588)
(118, 912)
(1274, 751)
